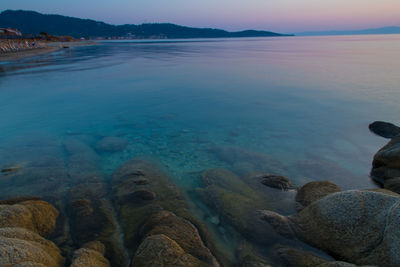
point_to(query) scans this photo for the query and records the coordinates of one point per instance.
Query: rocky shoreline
(76, 216)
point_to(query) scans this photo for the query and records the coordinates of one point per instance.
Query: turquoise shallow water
(298, 106)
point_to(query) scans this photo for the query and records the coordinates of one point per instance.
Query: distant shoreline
(51, 47)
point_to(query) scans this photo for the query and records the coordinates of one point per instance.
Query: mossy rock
(133, 214)
(237, 208)
(181, 231)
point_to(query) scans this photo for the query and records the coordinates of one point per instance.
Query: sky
(286, 16)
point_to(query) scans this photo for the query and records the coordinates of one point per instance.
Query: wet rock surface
(22, 227)
(154, 216)
(386, 163)
(393, 185)
(314, 191)
(276, 181)
(249, 257)
(34, 215)
(384, 129)
(180, 230)
(90, 255)
(299, 258)
(160, 250)
(237, 204)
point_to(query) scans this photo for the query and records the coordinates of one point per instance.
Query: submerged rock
(384, 129)
(92, 218)
(151, 209)
(10, 169)
(367, 222)
(180, 230)
(91, 255)
(43, 176)
(277, 181)
(237, 204)
(111, 144)
(160, 250)
(386, 163)
(298, 258)
(248, 257)
(314, 191)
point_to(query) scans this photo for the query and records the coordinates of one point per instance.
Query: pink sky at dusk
(276, 15)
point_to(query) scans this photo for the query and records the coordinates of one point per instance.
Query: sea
(292, 106)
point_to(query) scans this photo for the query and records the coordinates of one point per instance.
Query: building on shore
(10, 32)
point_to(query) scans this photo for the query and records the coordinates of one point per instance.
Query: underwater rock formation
(314, 191)
(91, 214)
(22, 227)
(90, 255)
(366, 221)
(178, 237)
(237, 204)
(160, 250)
(248, 257)
(276, 181)
(298, 258)
(111, 144)
(384, 129)
(154, 213)
(386, 163)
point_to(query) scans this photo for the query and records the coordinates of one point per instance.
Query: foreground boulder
(386, 163)
(21, 227)
(160, 250)
(360, 227)
(180, 230)
(91, 255)
(384, 129)
(34, 215)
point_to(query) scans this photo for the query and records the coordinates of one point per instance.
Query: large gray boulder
(360, 227)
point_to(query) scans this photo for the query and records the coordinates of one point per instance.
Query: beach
(48, 47)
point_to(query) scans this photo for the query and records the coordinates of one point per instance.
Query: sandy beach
(51, 47)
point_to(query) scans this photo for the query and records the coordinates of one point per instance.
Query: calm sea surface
(296, 106)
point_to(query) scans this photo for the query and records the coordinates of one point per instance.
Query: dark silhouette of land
(31, 22)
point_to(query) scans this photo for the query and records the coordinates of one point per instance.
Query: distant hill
(31, 22)
(384, 30)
